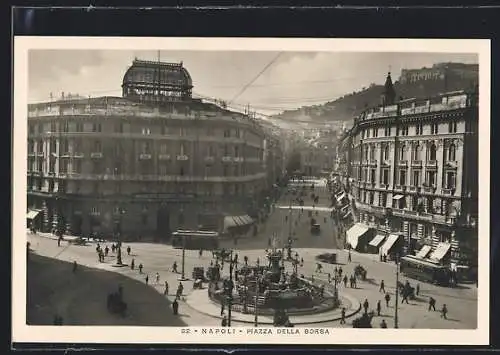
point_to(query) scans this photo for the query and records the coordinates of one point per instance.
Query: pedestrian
(106, 251)
(382, 287)
(174, 267)
(342, 316)
(384, 258)
(349, 259)
(128, 250)
(113, 247)
(140, 268)
(345, 281)
(387, 299)
(335, 271)
(74, 266)
(147, 279)
(175, 307)
(59, 241)
(340, 271)
(444, 311)
(222, 308)
(354, 281)
(417, 289)
(224, 321)
(157, 278)
(180, 289)
(132, 264)
(432, 304)
(379, 308)
(366, 305)
(329, 278)
(383, 324)
(166, 288)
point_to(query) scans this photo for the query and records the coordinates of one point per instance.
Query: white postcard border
(158, 335)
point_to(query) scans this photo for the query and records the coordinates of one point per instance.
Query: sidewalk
(200, 302)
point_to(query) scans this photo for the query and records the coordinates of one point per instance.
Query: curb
(354, 309)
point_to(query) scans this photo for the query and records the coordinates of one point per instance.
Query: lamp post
(121, 211)
(183, 262)
(396, 325)
(256, 306)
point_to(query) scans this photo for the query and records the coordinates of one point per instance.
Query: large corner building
(146, 163)
(412, 168)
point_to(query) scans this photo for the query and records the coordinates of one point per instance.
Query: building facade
(414, 171)
(147, 163)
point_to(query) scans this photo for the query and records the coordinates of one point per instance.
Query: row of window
(121, 127)
(403, 130)
(449, 179)
(417, 204)
(431, 153)
(147, 148)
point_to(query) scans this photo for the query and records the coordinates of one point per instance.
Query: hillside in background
(350, 105)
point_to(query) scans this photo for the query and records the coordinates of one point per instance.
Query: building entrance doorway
(163, 222)
(76, 228)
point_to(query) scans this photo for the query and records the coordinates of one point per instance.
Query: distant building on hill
(441, 71)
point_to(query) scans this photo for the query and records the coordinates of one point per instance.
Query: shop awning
(246, 219)
(379, 238)
(440, 252)
(355, 232)
(389, 243)
(229, 222)
(397, 197)
(32, 214)
(239, 221)
(426, 249)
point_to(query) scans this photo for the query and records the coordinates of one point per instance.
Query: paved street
(461, 301)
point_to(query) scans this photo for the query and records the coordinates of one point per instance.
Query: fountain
(274, 291)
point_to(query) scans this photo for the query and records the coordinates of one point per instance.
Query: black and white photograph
(252, 187)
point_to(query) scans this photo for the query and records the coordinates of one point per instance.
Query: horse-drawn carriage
(406, 290)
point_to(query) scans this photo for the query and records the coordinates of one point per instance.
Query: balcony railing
(447, 192)
(227, 159)
(429, 189)
(164, 157)
(144, 156)
(78, 155)
(96, 155)
(399, 188)
(238, 159)
(372, 163)
(413, 188)
(386, 162)
(431, 163)
(403, 163)
(182, 157)
(209, 159)
(416, 163)
(384, 186)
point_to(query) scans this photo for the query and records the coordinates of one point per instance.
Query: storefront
(392, 246)
(375, 243)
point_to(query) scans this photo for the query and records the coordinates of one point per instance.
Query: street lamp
(183, 264)
(256, 306)
(230, 289)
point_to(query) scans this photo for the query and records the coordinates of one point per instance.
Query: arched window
(451, 152)
(402, 153)
(416, 152)
(432, 152)
(386, 152)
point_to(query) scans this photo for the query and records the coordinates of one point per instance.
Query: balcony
(447, 192)
(96, 155)
(451, 164)
(209, 159)
(431, 164)
(182, 157)
(413, 188)
(403, 163)
(78, 155)
(416, 164)
(144, 156)
(429, 189)
(386, 162)
(399, 188)
(384, 186)
(164, 156)
(238, 159)
(372, 163)
(31, 154)
(227, 159)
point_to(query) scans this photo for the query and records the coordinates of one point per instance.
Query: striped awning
(379, 238)
(440, 252)
(32, 214)
(426, 249)
(389, 243)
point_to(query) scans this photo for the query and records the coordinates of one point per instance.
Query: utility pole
(396, 325)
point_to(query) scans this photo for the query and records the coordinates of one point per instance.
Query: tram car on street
(424, 270)
(195, 240)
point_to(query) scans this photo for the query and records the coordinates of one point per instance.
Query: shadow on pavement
(80, 297)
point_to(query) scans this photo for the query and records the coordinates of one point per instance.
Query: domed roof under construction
(157, 81)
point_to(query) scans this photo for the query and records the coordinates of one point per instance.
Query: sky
(291, 80)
